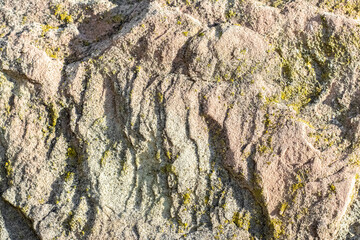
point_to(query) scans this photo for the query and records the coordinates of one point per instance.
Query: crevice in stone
(16, 223)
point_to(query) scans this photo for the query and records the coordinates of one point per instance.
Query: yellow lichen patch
(262, 149)
(297, 185)
(25, 209)
(66, 17)
(283, 208)
(354, 160)
(307, 123)
(169, 168)
(63, 15)
(277, 227)
(104, 157)
(24, 20)
(75, 223)
(53, 116)
(46, 28)
(272, 99)
(8, 168)
(277, 3)
(158, 156)
(57, 9)
(71, 152)
(322, 140)
(137, 69)
(230, 14)
(53, 52)
(298, 95)
(168, 154)
(160, 97)
(186, 198)
(349, 7)
(332, 188)
(7, 108)
(241, 220)
(182, 226)
(69, 176)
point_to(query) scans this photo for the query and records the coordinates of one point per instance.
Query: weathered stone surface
(179, 119)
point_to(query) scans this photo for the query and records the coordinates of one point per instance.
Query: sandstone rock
(179, 119)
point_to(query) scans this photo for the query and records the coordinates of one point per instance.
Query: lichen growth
(71, 152)
(160, 97)
(242, 220)
(46, 28)
(53, 52)
(277, 227)
(169, 168)
(298, 185)
(168, 154)
(9, 169)
(69, 176)
(283, 207)
(104, 157)
(186, 198)
(53, 116)
(332, 188)
(61, 14)
(137, 69)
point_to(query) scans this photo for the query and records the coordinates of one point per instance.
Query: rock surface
(196, 119)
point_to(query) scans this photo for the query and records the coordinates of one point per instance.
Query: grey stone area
(171, 119)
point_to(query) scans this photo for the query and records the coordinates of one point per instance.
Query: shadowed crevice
(15, 222)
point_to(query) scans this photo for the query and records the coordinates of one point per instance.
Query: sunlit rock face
(211, 119)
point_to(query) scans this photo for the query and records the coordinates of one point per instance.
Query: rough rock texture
(196, 119)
